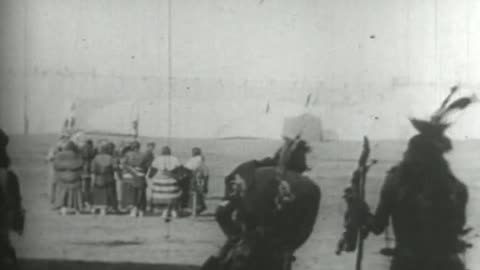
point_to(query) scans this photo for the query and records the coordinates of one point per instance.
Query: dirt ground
(122, 242)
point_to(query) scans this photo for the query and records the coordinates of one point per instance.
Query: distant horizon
(223, 139)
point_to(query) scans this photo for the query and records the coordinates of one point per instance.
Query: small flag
(308, 100)
(267, 109)
(135, 128)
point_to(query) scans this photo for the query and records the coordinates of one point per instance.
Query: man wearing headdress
(262, 208)
(134, 181)
(11, 211)
(425, 201)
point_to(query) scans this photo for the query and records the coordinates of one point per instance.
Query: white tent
(307, 126)
(220, 119)
(280, 119)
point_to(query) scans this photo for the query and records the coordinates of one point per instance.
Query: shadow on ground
(46, 264)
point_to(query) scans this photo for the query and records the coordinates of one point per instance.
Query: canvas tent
(221, 119)
(306, 125)
(279, 119)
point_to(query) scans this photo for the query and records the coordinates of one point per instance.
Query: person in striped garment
(164, 187)
(68, 166)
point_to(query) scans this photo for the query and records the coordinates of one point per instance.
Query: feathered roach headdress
(3, 139)
(438, 122)
(431, 138)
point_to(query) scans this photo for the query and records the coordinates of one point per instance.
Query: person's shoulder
(8, 177)
(460, 187)
(63, 154)
(175, 159)
(157, 160)
(12, 175)
(392, 178)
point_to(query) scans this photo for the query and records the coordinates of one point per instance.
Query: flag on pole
(267, 109)
(307, 102)
(69, 123)
(136, 123)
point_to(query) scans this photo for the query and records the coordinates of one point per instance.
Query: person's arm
(462, 207)
(153, 169)
(307, 223)
(50, 155)
(176, 163)
(14, 202)
(384, 208)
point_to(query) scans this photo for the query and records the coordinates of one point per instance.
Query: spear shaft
(363, 168)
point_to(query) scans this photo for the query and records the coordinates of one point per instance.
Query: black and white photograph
(239, 135)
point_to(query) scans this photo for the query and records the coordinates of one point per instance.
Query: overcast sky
(387, 58)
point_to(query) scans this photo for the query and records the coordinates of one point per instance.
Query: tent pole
(26, 92)
(169, 134)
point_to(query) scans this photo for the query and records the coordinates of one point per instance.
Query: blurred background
(359, 67)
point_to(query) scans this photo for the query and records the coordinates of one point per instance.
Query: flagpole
(26, 92)
(169, 128)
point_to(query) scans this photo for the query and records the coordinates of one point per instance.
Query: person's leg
(86, 191)
(202, 206)
(8, 258)
(142, 200)
(53, 192)
(50, 182)
(112, 202)
(119, 190)
(167, 213)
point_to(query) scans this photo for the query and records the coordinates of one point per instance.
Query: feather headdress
(438, 121)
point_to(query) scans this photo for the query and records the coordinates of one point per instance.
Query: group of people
(270, 207)
(106, 178)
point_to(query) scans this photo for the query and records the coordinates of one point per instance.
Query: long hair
(424, 166)
(292, 156)
(4, 159)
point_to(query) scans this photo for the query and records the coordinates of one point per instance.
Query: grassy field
(121, 242)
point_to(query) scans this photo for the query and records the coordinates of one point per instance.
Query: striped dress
(68, 177)
(164, 188)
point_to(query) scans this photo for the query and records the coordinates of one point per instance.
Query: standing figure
(270, 212)
(51, 184)
(88, 154)
(199, 181)
(69, 167)
(120, 153)
(425, 201)
(104, 165)
(149, 154)
(134, 181)
(164, 187)
(12, 215)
